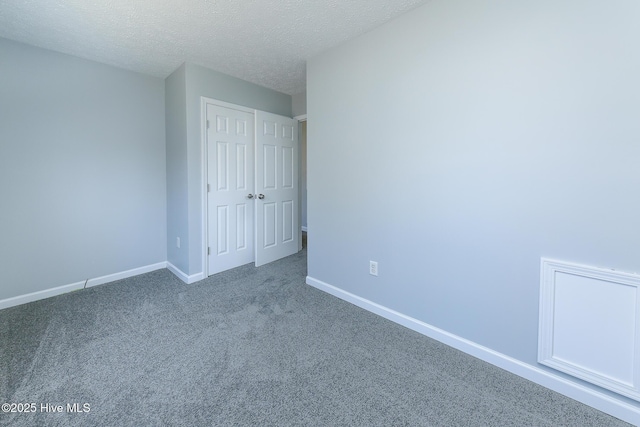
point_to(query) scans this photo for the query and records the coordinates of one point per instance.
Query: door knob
(260, 196)
(250, 196)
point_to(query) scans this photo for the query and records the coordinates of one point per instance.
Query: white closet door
(230, 179)
(277, 228)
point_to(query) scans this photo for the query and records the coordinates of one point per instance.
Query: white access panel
(590, 325)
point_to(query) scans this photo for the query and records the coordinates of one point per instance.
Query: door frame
(204, 102)
(301, 118)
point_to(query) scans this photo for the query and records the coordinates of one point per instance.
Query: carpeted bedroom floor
(250, 346)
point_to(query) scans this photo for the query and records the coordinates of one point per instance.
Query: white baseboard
(183, 276)
(47, 293)
(598, 400)
(35, 296)
(125, 274)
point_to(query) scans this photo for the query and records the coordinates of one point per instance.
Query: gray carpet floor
(251, 346)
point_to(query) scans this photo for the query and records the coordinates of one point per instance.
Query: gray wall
(177, 201)
(299, 104)
(458, 144)
(185, 180)
(82, 170)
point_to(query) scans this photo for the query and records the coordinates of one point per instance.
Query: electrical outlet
(178, 242)
(373, 268)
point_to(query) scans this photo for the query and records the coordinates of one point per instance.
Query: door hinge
(208, 188)
(208, 251)
(208, 124)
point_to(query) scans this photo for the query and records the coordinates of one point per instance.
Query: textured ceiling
(262, 41)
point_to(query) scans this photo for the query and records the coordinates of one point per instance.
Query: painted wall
(82, 170)
(186, 182)
(299, 104)
(177, 201)
(463, 141)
